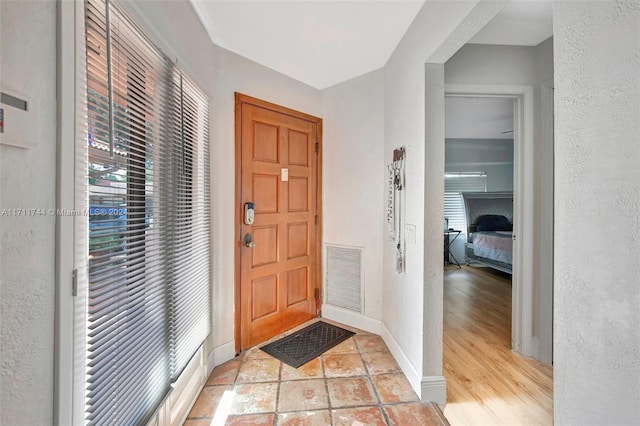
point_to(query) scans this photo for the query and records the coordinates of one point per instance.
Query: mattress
(494, 245)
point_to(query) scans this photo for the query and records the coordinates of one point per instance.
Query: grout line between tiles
(380, 404)
(369, 374)
(326, 387)
(276, 409)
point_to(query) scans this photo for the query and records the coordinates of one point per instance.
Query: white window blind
(148, 259)
(190, 301)
(454, 185)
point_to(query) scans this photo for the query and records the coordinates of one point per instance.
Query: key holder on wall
(398, 167)
(394, 204)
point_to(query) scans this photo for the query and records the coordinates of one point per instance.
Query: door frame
(522, 340)
(545, 348)
(240, 100)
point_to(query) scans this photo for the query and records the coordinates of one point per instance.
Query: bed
(489, 229)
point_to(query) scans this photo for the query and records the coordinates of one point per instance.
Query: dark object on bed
(494, 222)
(487, 212)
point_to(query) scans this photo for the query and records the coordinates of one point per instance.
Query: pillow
(494, 222)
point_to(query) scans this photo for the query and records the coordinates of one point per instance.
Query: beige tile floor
(356, 383)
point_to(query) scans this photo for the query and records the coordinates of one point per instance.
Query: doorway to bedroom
(479, 262)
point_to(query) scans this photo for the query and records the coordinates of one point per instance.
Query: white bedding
(494, 245)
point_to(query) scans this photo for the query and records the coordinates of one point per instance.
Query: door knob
(248, 242)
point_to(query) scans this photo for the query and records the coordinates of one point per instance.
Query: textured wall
(433, 304)
(27, 180)
(597, 226)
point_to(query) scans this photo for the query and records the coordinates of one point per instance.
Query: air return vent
(344, 277)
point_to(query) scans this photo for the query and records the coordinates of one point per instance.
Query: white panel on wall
(344, 277)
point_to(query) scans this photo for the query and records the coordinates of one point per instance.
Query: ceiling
(324, 42)
(519, 23)
(478, 118)
(320, 43)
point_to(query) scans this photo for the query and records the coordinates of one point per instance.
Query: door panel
(297, 289)
(298, 196)
(265, 251)
(263, 292)
(278, 275)
(265, 190)
(298, 148)
(298, 240)
(265, 142)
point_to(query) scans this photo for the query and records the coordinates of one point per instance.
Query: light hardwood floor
(487, 383)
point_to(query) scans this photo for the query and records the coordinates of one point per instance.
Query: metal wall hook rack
(394, 205)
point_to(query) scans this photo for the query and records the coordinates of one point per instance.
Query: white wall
(403, 294)
(491, 64)
(354, 176)
(477, 64)
(27, 257)
(597, 231)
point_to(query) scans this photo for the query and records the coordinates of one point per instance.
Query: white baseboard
(434, 389)
(220, 355)
(429, 388)
(409, 370)
(185, 390)
(352, 319)
(211, 361)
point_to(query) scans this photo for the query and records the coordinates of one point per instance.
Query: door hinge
(74, 282)
(317, 147)
(316, 219)
(317, 293)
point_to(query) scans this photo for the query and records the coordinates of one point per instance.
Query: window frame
(68, 391)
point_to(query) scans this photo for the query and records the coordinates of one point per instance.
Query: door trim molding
(240, 100)
(545, 347)
(68, 388)
(522, 299)
(68, 20)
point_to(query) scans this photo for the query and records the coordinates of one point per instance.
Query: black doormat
(302, 346)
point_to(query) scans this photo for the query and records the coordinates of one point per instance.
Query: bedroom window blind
(148, 259)
(454, 185)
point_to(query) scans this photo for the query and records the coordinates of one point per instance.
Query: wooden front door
(277, 284)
